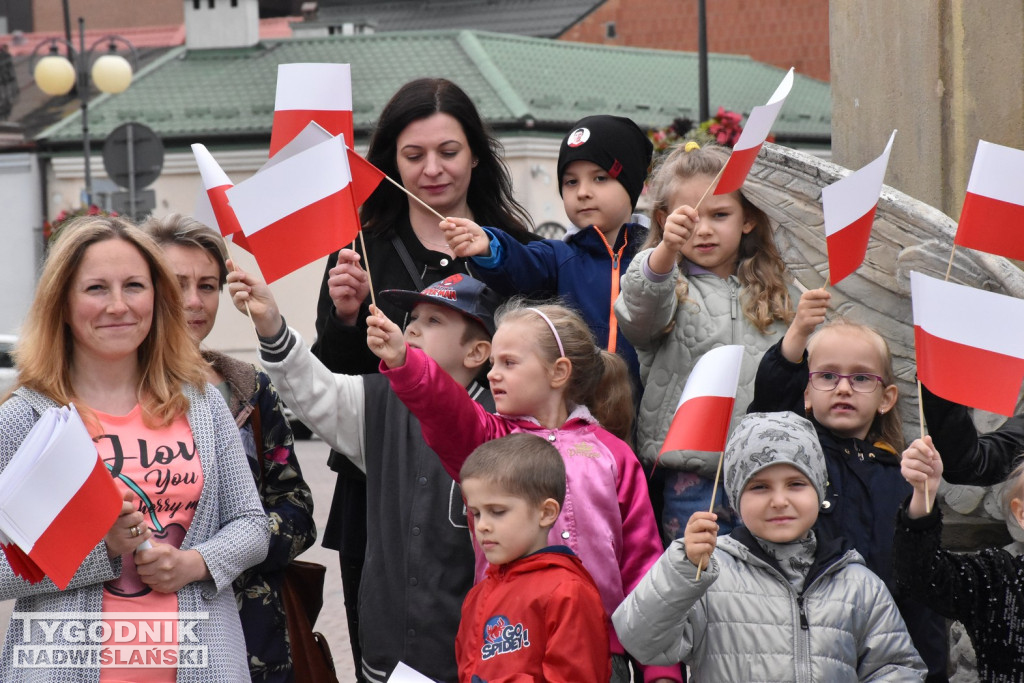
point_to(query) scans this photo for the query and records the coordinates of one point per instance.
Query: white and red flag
(701, 422)
(311, 92)
(297, 210)
(992, 219)
(365, 176)
(57, 499)
(755, 132)
(849, 205)
(970, 343)
(212, 207)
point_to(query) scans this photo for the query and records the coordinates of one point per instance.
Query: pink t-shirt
(161, 466)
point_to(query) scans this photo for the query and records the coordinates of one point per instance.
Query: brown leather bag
(302, 596)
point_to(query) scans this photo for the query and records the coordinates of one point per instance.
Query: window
(609, 30)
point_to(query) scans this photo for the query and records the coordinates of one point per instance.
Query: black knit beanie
(614, 143)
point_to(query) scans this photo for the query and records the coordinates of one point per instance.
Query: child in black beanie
(602, 165)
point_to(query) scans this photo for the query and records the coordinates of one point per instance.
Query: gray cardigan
(229, 529)
(670, 337)
(743, 621)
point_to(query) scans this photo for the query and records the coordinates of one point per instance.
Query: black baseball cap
(462, 293)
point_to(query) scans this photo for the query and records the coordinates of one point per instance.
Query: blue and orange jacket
(584, 270)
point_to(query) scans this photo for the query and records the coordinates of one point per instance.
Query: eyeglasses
(863, 382)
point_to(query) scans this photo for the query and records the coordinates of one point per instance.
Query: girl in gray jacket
(777, 602)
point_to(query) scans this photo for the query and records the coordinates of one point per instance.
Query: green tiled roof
(517, 82)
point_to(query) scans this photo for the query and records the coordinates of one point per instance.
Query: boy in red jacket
(537, 614)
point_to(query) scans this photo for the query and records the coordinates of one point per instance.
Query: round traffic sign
(133, 149)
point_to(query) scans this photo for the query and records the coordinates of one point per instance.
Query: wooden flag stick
(366, 256)
(412, 196)
(713, 183)
(247, 311)
(714, 490)
(949, 266)
(920, 417)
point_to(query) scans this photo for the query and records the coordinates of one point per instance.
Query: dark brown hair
(489, 197)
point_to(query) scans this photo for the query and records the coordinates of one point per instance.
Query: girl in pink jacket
(548, 378)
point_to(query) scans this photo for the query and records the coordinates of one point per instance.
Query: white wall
(20, 234)
(221, 25)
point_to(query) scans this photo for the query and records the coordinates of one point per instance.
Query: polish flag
(298, 210)
(212, 206)
(970, 343)
(311, 92)
(755, 132)
(849, 205)
(993, 213)
(701, 422)
(57, 499)
(365, 176)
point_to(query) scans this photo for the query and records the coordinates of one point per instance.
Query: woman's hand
(921, 466)
(252, 296)
(167, 569)
(810, 312)
(465, 238)
(385, 339)
(700, 538)
(128, 531)
(679, 226)
(348, 286)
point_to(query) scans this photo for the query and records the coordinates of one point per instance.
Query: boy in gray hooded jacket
(777, 602)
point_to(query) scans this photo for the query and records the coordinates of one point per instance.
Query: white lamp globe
(112, 73)
(54, 75)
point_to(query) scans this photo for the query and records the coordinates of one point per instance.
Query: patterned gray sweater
(229, 529)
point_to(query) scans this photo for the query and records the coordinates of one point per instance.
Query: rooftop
(517, 82)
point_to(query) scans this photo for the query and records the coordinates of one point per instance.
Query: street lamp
(57, 75)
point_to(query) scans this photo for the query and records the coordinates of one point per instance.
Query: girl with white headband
(550, 379)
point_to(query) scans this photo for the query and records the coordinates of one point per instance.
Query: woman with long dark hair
(430, 138)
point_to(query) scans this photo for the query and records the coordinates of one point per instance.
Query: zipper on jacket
(734, 302)
(803, 614)
(613, 323)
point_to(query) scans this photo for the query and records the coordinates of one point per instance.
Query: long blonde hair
(761, 270)
(886, 428)
(168, 358)
(599, 380)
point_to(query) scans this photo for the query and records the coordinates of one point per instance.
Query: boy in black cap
(419, 556)
(602, 165)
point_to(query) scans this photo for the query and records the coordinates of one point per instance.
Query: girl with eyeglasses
(841, 378)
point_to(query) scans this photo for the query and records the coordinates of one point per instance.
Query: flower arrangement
(52, 228)
(723, 128)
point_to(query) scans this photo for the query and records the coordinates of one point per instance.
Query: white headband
(561, 351)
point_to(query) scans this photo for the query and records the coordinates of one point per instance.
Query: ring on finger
(136, 531)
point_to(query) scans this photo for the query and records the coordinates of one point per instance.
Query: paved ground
(332, 623)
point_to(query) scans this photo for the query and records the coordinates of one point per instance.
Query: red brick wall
(48, 15)
(784, 33)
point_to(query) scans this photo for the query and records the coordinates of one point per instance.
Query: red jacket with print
(539, 618)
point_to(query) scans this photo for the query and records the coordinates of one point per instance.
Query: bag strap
(403, 253)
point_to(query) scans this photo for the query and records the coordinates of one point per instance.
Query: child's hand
(700, 538)
(465, 238)
(679, 226)
(922, 468)
(347, 286)
(810, 313)
(247, 290)
(385, 339)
